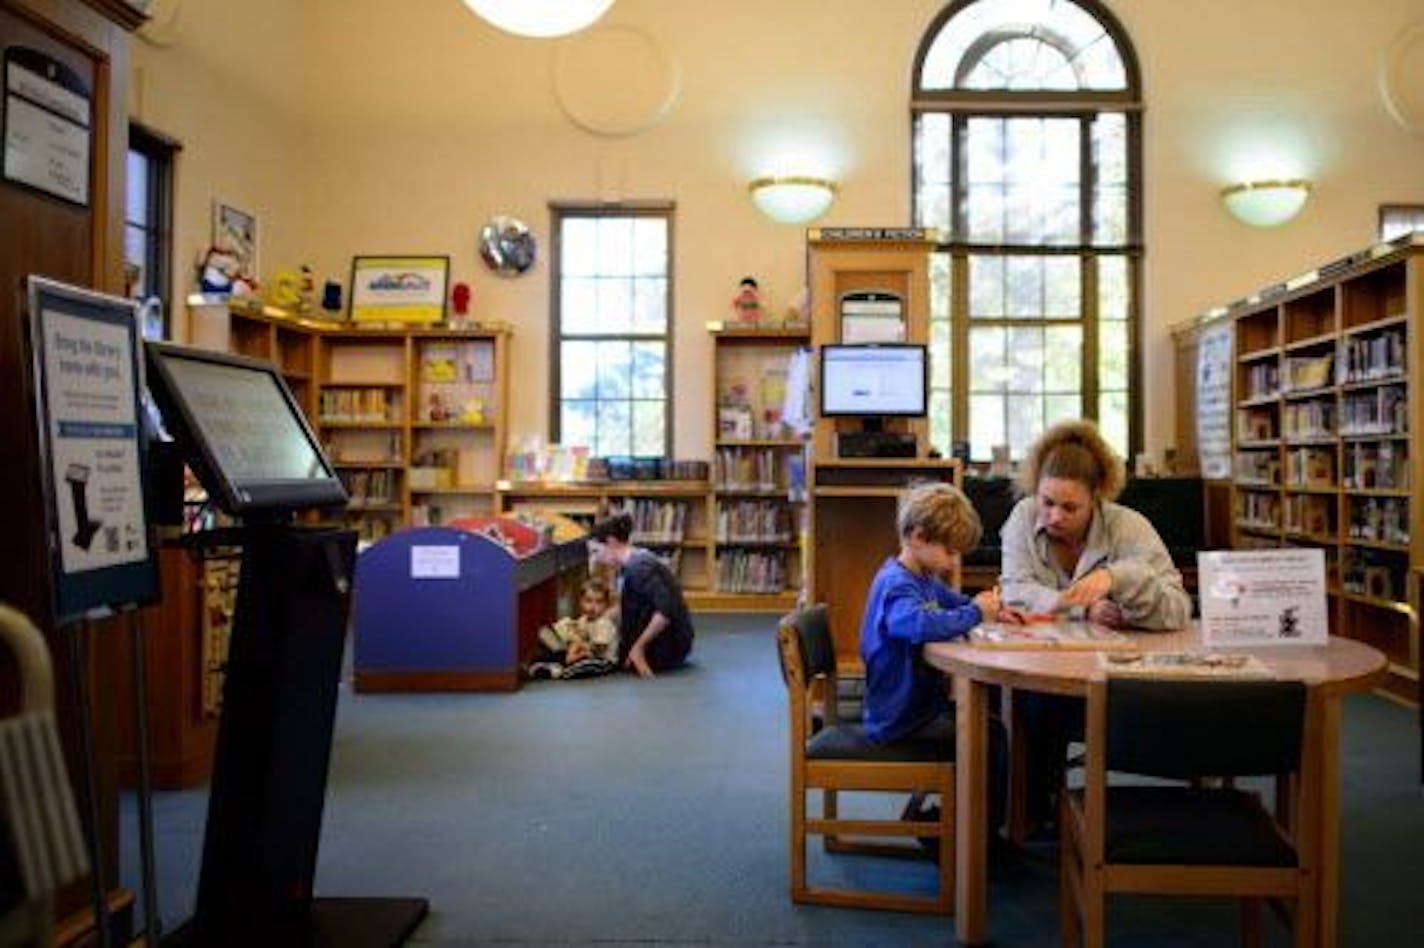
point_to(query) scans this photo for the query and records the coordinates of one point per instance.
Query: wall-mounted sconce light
(1266, 203)
(793, 199)
(540, 18)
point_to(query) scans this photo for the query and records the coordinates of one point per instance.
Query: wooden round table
(1339, 667)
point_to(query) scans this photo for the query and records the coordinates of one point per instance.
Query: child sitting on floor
(583, 645)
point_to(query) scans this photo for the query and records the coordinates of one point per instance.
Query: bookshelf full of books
(413, 420)
(759, 463)
(1325, 408)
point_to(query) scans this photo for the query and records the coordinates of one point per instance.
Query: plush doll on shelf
(746, 305)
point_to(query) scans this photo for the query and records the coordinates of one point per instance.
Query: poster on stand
(1262, 597)
(88, 379)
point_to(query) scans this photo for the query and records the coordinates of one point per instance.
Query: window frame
(960, 106)
(161, 155)
(559, 211)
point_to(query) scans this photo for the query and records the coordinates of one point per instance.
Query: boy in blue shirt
(909, 605)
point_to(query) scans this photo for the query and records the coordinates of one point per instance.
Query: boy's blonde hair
(941, 514)
(1074, 451)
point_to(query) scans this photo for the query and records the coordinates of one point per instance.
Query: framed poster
(88, 376)
(235, 234)
(870, 316)
(409, 290)
(1262, 597)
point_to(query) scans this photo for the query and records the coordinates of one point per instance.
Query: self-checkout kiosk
(242, 433)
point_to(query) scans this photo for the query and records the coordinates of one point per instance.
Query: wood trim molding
(125, 13)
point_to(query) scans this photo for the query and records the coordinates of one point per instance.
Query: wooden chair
(831, 755)
(1206, 839)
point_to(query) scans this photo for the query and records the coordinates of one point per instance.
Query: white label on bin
(435, 562)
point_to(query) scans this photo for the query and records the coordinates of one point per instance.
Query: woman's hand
(1088, 590)
(1106, 612)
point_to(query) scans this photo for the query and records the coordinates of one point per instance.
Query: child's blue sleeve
(910, 618)
(950, 598)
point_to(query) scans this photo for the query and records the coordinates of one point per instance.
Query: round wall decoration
(615, 80)
(1401, 78)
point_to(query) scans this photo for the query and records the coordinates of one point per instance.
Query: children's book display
(1048, 633)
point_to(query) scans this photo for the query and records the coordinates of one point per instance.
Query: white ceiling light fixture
(540, 18)
(1266, 203)
(792, 199)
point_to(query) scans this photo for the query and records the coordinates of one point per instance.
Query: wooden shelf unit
(1325, 408)
(759, 469)
(690, 541)
(368, 394)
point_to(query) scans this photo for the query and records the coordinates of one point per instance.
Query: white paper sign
(435, 562)
(1262, 597)
(89, 389)
(1214, 401)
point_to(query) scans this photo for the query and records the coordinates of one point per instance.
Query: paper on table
(1048, 635)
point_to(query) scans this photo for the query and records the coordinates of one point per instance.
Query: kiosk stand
(242, 433)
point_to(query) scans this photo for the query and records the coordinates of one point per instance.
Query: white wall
(364, 126)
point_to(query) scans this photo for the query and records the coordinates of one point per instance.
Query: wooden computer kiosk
(868, 286)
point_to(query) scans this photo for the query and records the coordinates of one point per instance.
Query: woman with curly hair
(1066, 544)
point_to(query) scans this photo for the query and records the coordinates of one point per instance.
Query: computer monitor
(242, 432)
(880, 380)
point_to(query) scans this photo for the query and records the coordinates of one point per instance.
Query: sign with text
(1262, 597)
(88, 377)
(47, 120)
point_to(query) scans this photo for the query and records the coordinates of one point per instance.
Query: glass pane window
(612, 278)
(148, 227)
(1023, 45)
(1031, 188)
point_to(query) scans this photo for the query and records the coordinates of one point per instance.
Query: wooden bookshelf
(412, 448)
(758, 469)
(1324, 409)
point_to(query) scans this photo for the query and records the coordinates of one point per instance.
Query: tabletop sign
(1262, 597)
(48, 118)
(88, 377)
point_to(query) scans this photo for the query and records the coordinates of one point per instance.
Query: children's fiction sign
(1262, 597)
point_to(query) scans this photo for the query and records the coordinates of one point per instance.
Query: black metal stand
(272, 755)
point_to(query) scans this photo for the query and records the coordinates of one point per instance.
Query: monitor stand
(273, 750)
(873, 441)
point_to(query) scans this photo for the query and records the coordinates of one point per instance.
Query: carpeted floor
(621, 812)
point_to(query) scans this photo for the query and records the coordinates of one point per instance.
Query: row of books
(1380, 519)
(1260, 510)
(751, 571)
(1263, 380)
(757, 521)
(1382, 411)
(1373, 573)
(654, 521)
(1313, 514)
(1367, 358)
(1313, 419)
(371, 487)
(747, 469)
(1377, 466)
(356, 404)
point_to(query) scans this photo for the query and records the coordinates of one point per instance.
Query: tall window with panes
(612, 339)
(1027, 159)
(148, 225)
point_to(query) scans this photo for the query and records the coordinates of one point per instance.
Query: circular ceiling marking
(1401, 78)
(615, 80)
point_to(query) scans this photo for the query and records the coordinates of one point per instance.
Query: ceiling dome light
(1266, 203)
(540, 18)
(793, 199)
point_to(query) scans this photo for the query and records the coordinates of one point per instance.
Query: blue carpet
(622, 812)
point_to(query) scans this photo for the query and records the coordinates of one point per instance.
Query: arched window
(1027, 159)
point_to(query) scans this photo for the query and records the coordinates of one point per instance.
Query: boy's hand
(989, 603)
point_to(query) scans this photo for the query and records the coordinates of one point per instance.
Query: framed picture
(406, 290)
(235, 233)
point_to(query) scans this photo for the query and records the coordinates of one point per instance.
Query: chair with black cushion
(1207, 838)
(832, 755)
